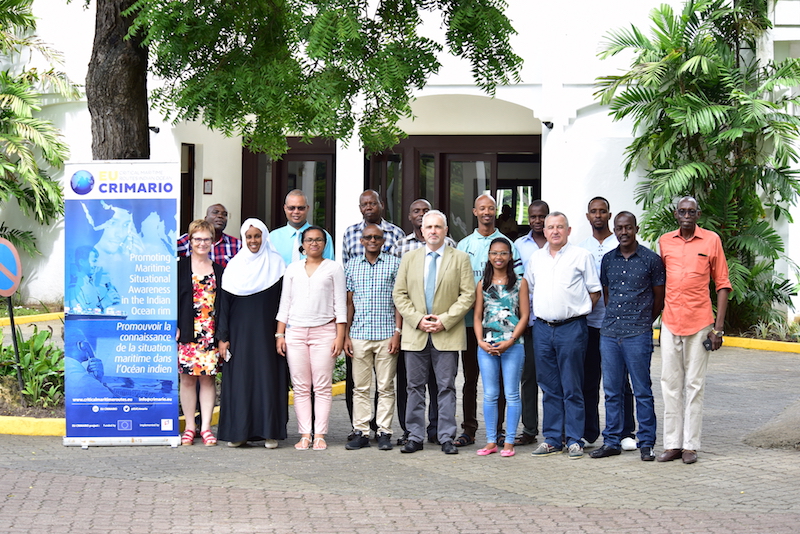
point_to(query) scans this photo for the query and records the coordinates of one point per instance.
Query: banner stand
(120, 303)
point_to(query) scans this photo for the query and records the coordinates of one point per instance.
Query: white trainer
(628, 444)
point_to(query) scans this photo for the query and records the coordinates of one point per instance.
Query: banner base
(85, 443)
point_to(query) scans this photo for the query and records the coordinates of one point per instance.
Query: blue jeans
(634, 353)
(511, 362)
(559, 352)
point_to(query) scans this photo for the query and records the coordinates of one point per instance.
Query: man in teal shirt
(286, 239)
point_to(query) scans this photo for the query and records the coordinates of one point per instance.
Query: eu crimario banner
(120, 302)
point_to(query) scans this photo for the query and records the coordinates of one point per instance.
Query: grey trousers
(445, 367)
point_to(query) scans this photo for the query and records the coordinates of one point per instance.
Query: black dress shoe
(449, 448)
(604, 452)
(412, 446)
(402, 440)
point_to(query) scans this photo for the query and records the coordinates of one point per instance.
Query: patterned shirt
(410, 242)
(372, 286)
(630, 285)
(500, 312)
(351, 244)
(221, 253)
(476, 245)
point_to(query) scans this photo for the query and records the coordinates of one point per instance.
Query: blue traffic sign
(10, 268)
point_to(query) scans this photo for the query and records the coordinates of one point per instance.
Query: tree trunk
(116, 87)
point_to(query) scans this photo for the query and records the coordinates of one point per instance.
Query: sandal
(208, 438)
(188, 437)
(304, 444)
(525, 439)
(320, 444)
(463, 440)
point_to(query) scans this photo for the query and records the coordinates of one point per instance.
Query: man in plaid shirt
(225, 246)
(372, 210)
(373, 337)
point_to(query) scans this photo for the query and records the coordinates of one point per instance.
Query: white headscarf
(248, 272)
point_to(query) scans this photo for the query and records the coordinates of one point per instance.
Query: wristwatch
(718, 333)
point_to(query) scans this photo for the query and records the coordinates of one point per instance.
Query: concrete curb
(25, 319)
(33, 426)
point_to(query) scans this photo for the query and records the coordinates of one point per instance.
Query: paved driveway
(45, 487)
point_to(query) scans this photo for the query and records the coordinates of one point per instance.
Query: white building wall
(581, 156)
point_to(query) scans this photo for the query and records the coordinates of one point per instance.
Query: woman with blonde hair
(199, 280)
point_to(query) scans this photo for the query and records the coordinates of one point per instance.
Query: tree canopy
(713, 121)
(267, 68)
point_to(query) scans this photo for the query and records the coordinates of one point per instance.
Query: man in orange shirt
(692, 257)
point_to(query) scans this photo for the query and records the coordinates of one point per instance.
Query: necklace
(500, 281)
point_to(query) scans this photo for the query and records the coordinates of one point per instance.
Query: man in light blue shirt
(286, 239)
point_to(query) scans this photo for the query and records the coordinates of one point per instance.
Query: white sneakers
(628, 444)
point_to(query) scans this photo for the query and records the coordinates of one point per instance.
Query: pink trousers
(308, 353)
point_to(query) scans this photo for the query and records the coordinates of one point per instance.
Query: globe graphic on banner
(82, 182)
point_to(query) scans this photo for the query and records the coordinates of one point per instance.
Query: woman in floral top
(198, 358)
(502, 308)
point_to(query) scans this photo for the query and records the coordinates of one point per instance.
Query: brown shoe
(689, 457)
(669, 455)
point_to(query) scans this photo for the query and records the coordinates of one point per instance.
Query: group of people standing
(536, 313)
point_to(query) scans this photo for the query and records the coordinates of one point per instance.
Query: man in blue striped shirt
(373, 337)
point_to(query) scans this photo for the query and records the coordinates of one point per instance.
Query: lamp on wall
(154, 129)
(548, 124)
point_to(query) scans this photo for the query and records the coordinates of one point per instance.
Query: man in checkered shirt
(225, 246)
(373, 338)
(372, 210)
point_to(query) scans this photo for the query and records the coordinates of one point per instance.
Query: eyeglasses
(690, 213)
(372, 237)
(201, 240)
(500, 253)
(310, 240)
(296, 208)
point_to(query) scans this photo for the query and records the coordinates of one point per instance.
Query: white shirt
(561, 285)
(315, 300)
(598, 250)
(526, 246)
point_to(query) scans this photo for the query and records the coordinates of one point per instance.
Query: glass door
(468, 176)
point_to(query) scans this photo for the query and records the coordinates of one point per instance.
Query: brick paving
(48, 488)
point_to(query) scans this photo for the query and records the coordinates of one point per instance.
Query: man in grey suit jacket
(433, 291)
